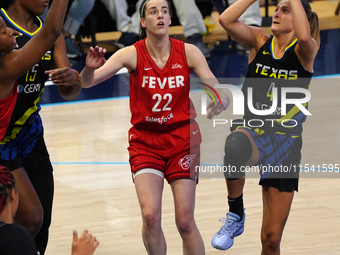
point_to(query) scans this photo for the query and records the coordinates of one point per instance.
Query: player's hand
(63, 76)
(218, 107)
(16, 33)
(85, 244)
(95, 57)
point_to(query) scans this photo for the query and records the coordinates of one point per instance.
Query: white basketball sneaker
(232, 227)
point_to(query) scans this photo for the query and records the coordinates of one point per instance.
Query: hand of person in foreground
(85, 244)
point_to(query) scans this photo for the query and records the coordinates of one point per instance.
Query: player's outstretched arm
(198, 63)
(97, 69)
(16, 63)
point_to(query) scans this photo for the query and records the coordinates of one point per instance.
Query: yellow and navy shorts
(280, 157)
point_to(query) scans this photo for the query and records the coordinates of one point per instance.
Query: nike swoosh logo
(195, 132)
(146, 69)
(266, 53)
(131, 136)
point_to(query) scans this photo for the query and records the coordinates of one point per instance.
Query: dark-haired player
(23, 63)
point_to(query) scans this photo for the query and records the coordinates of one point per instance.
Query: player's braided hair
(142, 9)
(7, 184)
(6, 3)
(313, 20)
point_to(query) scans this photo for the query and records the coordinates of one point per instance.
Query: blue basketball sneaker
(232, 227)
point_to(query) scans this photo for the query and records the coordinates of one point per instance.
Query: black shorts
(37, 162)
(282, 184)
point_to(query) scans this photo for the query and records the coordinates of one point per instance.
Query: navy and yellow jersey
(30, 85)
(266, 72)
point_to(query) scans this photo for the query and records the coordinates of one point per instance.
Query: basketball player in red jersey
(165, 138)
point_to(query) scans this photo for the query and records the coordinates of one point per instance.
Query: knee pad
(238, 150)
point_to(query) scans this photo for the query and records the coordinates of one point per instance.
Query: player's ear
(13, 200)
(142, 22)
(12, 195)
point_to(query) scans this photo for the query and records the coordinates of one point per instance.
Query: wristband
(78, 79)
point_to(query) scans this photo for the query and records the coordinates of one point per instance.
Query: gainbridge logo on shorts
(283, 105)
(186, 161)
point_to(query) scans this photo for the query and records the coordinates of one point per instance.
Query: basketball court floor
(87, 141)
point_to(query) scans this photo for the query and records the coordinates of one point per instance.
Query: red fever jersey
(160, 96)
(6, 109)
(164, 136)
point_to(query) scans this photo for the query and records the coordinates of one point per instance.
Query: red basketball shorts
(174, 153)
